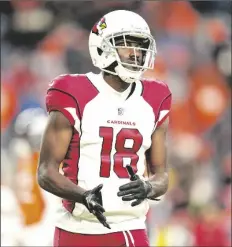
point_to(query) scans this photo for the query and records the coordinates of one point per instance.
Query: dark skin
(115, 82)
(57, 137)
(126, 55)
(55, 143)
(158, 161)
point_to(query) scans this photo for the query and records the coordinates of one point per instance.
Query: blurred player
(100, 123)
(11, 215)
(35, 204)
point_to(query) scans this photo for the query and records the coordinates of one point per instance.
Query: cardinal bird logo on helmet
(99, 26)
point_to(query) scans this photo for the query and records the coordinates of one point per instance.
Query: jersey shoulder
(158, 95)
(155, 87)
(69, 83)
(70, 91)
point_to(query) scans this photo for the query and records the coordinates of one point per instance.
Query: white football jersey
(111, 130)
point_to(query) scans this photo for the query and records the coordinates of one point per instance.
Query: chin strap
(127, 76)
(124, 74)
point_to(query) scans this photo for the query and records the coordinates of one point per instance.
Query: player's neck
(115, 82)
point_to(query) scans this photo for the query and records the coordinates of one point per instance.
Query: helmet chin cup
(127, 75)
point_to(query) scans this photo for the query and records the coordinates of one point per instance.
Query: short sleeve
(62, 102)
(164, 110)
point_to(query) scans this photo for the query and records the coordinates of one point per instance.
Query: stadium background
(41, 39)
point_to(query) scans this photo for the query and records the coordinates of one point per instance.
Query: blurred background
(43, 39)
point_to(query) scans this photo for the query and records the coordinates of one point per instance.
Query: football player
(35, 204)
(99, 127)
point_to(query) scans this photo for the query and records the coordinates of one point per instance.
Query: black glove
(137, 190)
(93, 202)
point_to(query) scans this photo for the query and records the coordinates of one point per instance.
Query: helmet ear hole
(99, 51)
(112, 66)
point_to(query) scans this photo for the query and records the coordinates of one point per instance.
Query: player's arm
(55, 143)
(158, 161)
(158, 152)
